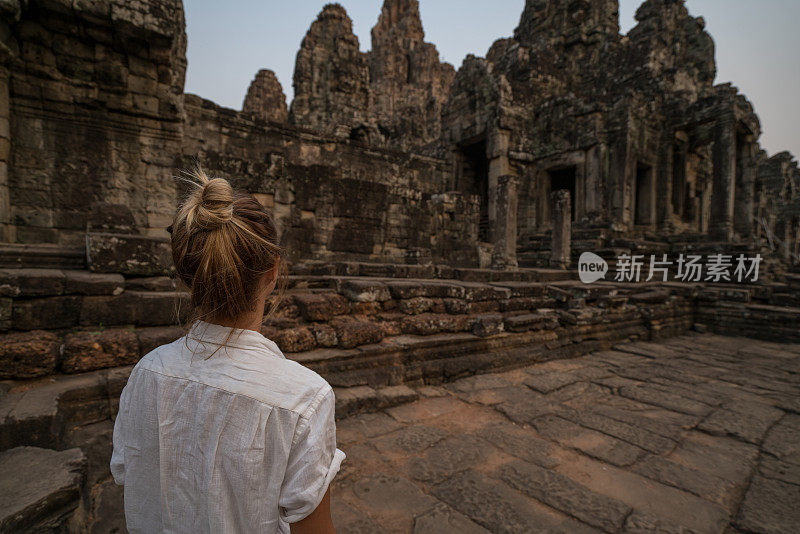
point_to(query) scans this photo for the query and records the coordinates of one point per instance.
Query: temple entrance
(643, 195)
(474, 180)
(564, 178)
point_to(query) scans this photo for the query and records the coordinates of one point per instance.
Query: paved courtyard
(699, 433)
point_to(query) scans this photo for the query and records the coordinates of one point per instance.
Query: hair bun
(215, 204)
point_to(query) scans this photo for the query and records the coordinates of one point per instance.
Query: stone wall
(335, 198)
(94, 94)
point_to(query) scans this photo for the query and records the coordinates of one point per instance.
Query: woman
(218, 432)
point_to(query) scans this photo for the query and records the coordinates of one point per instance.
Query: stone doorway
(643, 195)
(565, 178)
(474, 180)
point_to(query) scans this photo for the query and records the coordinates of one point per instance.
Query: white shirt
(241, 441)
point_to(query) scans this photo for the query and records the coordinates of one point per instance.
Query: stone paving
(699, 433)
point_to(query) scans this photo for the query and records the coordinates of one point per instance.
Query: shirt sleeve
(118, 452)
(313, 460)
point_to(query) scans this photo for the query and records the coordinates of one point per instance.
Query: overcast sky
(757, 45)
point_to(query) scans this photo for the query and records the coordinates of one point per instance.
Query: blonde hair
(223, 243)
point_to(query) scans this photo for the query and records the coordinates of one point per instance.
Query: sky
(757, 45)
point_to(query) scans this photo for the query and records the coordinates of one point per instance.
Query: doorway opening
(474, 180)
(564, 178)
(643, 195)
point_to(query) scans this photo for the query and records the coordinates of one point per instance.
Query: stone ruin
(432, 216)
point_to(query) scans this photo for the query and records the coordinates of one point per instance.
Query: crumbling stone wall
(333, 198)
(94, 99)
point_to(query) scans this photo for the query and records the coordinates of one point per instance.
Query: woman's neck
(247, 321)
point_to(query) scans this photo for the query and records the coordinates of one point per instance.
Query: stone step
(41, 257)
(41, 488)
(38, 413)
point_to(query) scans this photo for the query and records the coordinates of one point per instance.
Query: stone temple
(433, 218)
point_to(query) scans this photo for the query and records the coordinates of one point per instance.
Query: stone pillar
(680, 159)
(745, 189)
(505, 235)
(724, 182)
(497, 154)
(664, 175)
(7, 233)
(562, 229)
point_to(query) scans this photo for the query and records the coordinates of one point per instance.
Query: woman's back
(209, 444)
(217, 431)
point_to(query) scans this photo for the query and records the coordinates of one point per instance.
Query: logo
(591, 267)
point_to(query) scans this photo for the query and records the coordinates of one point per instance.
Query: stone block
(110, 310)
(46, 313)
(40, 487)
(88, 283)
(28, 354)
(324, 334)
(320, 306)
(31, 282)
(128, 254)
(296, 339)
(115, 218)
(352, 332)
(434, 323)
(488, 324)
(364, 290)
(355, 399)
(562, 493)
(152, 283)
(146, 308)
(87, 351)
(159, 308)
(415, 305)
(6, 307)
(395, 395)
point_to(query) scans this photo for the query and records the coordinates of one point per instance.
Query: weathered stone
(87, 283)
(86, 351)
(151, 283)
(324, 335)
(41, 487)
(28, 354)
(497, 507)
(128, 254)
(352, 332)
(31, 282)
(592, 442)
(364, 290)
(564, 494)
(770, 506)
(265, 98)
(353, 400)
(412, 439)
(433, 323)
(448, 457)
(107, 217)
(295, 339)
(393, 493)
(488, 324)
(701, 484)
(48, 312)
(747, 421)
(320, 306)
(443, 518)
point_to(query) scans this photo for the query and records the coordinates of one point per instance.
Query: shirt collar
(215, 334)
